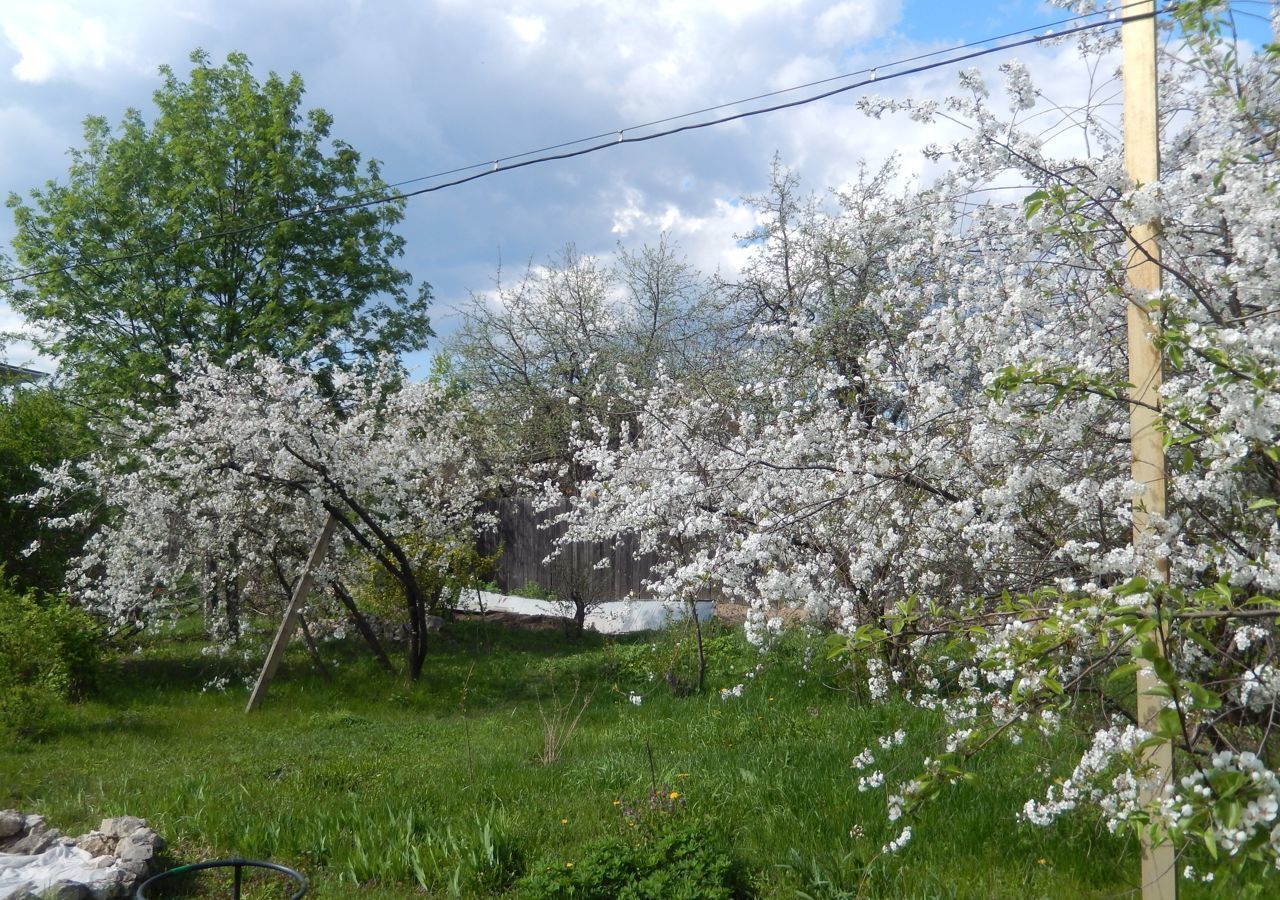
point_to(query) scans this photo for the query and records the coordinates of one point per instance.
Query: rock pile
(106, 864)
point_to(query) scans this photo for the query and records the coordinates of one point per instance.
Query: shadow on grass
(470, 664)
(256, 884)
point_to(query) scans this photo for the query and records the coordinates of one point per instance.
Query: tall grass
(378, 789)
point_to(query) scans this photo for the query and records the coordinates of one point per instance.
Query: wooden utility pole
(291, 614)
(1142, 161)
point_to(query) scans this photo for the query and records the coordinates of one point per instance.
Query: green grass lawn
(378, 789)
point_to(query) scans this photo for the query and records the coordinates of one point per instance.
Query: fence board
(527, 540)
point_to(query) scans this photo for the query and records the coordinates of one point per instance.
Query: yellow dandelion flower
(568, 865)
(564, 821)
(674, 795)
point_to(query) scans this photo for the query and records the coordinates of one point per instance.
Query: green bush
(683, 863)
(48, 648)
(29, 711)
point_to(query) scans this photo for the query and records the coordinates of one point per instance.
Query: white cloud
(708, 240)
(16, 347)
(64, 39)
(46, 44)
(802, 69)
(854, 21)
(528, 29)
(24, 133)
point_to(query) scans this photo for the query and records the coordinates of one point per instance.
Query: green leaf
(1126, 672)
(1203, 697)
(1032, 203)
(1147, 649)
(1164, 670)
(1133, 586)
(1200, 640)
(1168, 724)
(1159, 690)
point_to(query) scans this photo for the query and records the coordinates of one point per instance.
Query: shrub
(46, 645)
(683, 863)
(29, 710)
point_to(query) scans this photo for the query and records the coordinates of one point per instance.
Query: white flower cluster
(870, 782)
(903, 838)
(863, 759)
(1259, 688)
(889, 741)
(1252, 809)
(1107, 745)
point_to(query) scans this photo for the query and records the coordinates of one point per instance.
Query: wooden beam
(1142, 162)
(291, 614)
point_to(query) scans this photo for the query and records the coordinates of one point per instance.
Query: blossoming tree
(219, 496)
(952, 489)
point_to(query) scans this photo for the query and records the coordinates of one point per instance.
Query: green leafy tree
(39, 428)
(157, 238)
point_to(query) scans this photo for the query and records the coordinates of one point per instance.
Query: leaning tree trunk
(702, 656)
(362, 626)
(396, 561)
(313, 649)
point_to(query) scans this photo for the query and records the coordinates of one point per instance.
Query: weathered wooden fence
(527, 540)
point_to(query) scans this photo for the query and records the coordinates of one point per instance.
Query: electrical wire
(787, 90)
(488, 163)
(618, 138)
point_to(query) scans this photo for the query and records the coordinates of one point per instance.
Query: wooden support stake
(1142, 161)
(291, 614)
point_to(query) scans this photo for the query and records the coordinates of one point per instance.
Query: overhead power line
(1050, 31)
(1037, 29)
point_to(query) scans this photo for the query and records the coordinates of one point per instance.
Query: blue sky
(435, 84)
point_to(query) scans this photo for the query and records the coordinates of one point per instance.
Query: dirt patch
(735, 614)
(514, 620)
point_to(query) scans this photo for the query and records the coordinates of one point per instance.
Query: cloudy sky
(431, 85)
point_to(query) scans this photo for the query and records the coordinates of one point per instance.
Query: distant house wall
(526, 543)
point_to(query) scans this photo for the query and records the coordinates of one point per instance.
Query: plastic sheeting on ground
(613, 617)
(21, 875)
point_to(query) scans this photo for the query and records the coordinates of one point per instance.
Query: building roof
(18, 374)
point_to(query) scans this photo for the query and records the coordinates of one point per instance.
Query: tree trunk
(417, 626)
(231, 601)
(362, 626)
(314, 650)
(702, 656)
(579, 614)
